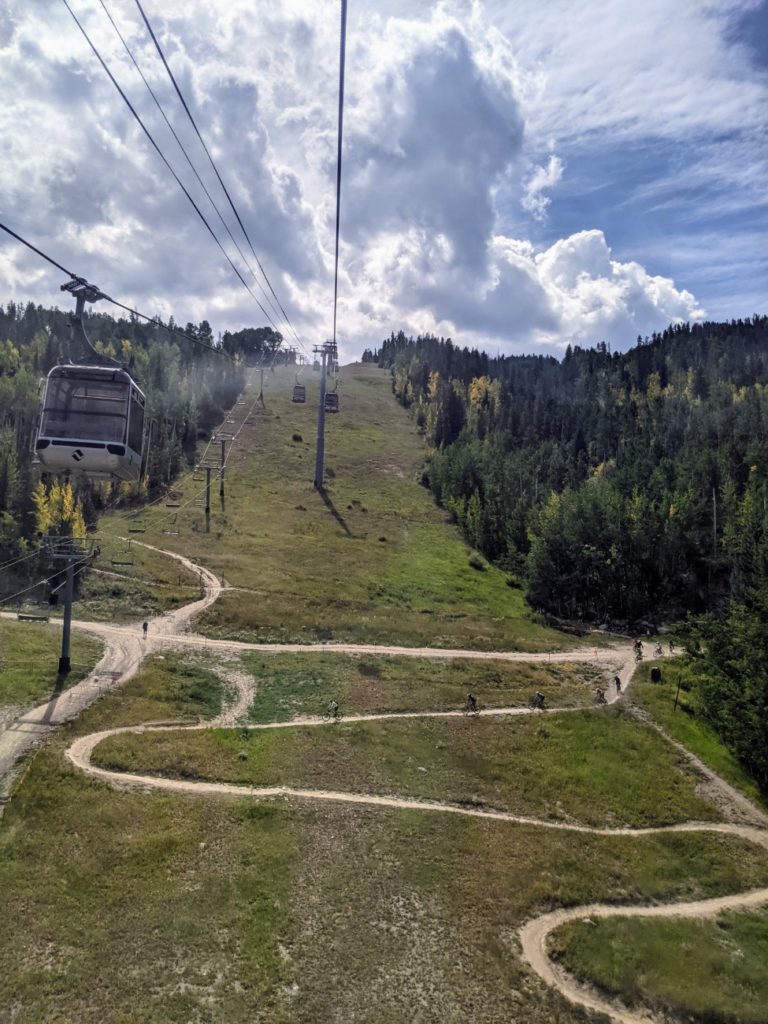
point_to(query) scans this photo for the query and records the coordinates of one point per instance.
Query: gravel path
(126, 648)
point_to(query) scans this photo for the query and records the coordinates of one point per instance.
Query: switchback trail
(125, 649)
(535, 933)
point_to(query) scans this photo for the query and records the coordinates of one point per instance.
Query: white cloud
(541, 178)
(453, 109)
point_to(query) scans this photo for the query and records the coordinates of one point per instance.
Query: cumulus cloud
(450, 106)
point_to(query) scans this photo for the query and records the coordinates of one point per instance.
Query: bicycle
(472, 709)
(334, 715)
(600, 697)
(536, 703)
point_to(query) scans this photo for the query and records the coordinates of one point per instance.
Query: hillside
(194, 840)
(374, 560)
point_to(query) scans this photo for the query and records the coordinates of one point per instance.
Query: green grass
(685, 724)
(29, 661)
(130, 593)
(288, 685)
(601, 769)
(168, 686)
(133, 908)
(379, 563)
(714, 971)
(125, 907)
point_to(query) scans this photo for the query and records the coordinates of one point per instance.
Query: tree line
(621, 488)
(188, 388)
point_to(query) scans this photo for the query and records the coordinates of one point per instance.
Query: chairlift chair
(299, 393)
(331, 401)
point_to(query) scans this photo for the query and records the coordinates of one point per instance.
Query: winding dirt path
(534, 934)
(125, 648)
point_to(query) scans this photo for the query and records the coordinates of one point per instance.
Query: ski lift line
(37, 583)
(107, 298)
(167, 163)
(213, 165)
(16, 561)
(201, 492)
(40, 253)
(186, 154)
(132, 513)
(342, 62)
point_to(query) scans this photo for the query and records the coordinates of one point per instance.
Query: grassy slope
(29, 660)
(715, 971)
(130, 593)
(288, 685)
(380, 563)
(685, 726)
(135, 908)
(599, 769)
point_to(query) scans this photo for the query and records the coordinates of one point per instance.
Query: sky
(516, 176)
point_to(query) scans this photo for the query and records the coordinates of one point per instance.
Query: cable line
(213, 165)
(342, 61)
(16, 561)
(165, 160)
(184, 151)
(40, 253)
(107, 298)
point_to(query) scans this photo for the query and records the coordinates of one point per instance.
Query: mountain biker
(537, 700)
(145, 627)
(617, 684)
(600, 695)
(471, 705)
(333, 708)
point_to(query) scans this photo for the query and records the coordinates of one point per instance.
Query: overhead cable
(165, 160)
(183, 149)
(342, 61)
(213, 165)
(121, 305)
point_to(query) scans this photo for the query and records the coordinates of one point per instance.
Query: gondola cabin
(299, 393)
(91, 423)
(331, 401)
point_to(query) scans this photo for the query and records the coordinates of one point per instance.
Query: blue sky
(517, 175)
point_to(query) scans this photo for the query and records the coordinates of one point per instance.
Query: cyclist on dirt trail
(537, 700)
(145, 627)
(617, 683)
(600, 695)
(333, 708)
(471, 705)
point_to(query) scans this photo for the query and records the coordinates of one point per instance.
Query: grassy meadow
(29, 661)
(599, 769)
(290, 685)
(125, 906)
(371, 560)
(705, 970)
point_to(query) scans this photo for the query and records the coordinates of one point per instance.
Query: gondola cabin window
(92, 423)
(81, 407)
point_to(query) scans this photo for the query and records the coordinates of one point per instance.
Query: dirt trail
(535, 933)
(124, 650)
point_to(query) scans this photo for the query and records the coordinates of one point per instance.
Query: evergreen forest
(622, 489)
(188, 386)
